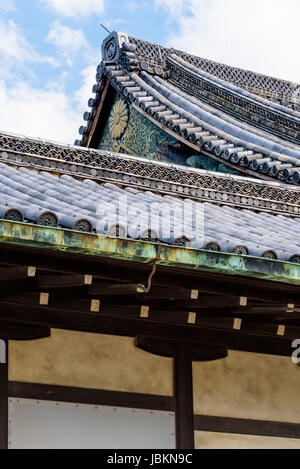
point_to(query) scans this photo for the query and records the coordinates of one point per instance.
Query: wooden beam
(104, 86)
(3, 393)
(21, 278)
(30, 298)
(45, 299)
(212, 304)
(161, 293)
(253, 289)
(263, 312)
(110, 289)
(183, 391)
(187, 298)
(46, 392)
(257, 325)
(9, 274)
(193, 298)
(274, 310)
(94, 305)
(63, 281)
(236, 426)
(84, 305)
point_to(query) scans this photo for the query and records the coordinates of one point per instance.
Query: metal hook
(149, 284)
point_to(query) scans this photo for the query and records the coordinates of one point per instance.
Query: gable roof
(248, 121)
(277, 90)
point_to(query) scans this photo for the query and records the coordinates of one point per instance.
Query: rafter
(110, 289)
(63, 281)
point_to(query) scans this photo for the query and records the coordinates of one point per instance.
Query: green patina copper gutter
(75, 242)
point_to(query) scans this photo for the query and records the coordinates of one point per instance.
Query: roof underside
(248, 121)
(86, 283)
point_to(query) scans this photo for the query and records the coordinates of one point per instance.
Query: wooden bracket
(171, 348)
(22, 331)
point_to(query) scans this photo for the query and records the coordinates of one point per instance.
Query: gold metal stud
(88, 279)
(44, 299)
(243, 301)
(237, 324)
(194, 294)
(192, 318)
(144, 313)
(95, 306)
(31, 271)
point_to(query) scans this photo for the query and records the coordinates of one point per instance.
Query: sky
(50, 49)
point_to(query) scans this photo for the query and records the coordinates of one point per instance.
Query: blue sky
(49, 49)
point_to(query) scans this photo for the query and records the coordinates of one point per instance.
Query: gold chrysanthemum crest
(118, 120)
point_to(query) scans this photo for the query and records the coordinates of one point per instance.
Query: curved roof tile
(110, 209)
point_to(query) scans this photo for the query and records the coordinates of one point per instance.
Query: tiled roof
(266, 86)
(249, 132)
(80, 204)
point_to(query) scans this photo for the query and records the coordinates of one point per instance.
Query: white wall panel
(56, 425)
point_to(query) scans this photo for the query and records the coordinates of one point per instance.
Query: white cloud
(262, 36)
(7, 5)
(114, 23)
(14, 47)
(46, 111)
(75, 8)
(131, 6)
(68, 40)
(47, 114)
(174, 8)
(85, 91)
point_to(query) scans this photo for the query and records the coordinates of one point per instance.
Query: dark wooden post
(3, 394)
(183, 390)
(183, 354)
